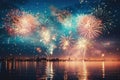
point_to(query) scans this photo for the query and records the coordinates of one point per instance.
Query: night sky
(59, 19)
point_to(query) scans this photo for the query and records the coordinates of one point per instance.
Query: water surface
(68, 70)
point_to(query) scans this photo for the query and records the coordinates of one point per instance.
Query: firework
(82, 45)
(89, 26)
(66, 42)
(51, 48)
(21, 23)
(45, 35)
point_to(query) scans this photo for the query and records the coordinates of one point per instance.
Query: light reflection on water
(103, 69)
(69, 70)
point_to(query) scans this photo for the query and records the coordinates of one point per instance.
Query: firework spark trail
(51, 48)
(89, 26)
(82, 45)
(21, 23)
(64, 43)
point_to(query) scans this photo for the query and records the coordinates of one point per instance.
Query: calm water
(60, 70)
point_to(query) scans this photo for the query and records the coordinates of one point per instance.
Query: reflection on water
(49, 71)
(103, 69)
(69, 70)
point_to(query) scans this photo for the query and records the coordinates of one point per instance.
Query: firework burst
(89, 26)
(82, 45)
(21, 23)
(66, 42)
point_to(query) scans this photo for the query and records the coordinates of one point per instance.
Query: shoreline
(55, 60)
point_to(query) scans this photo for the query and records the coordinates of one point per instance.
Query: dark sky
(15, 45)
